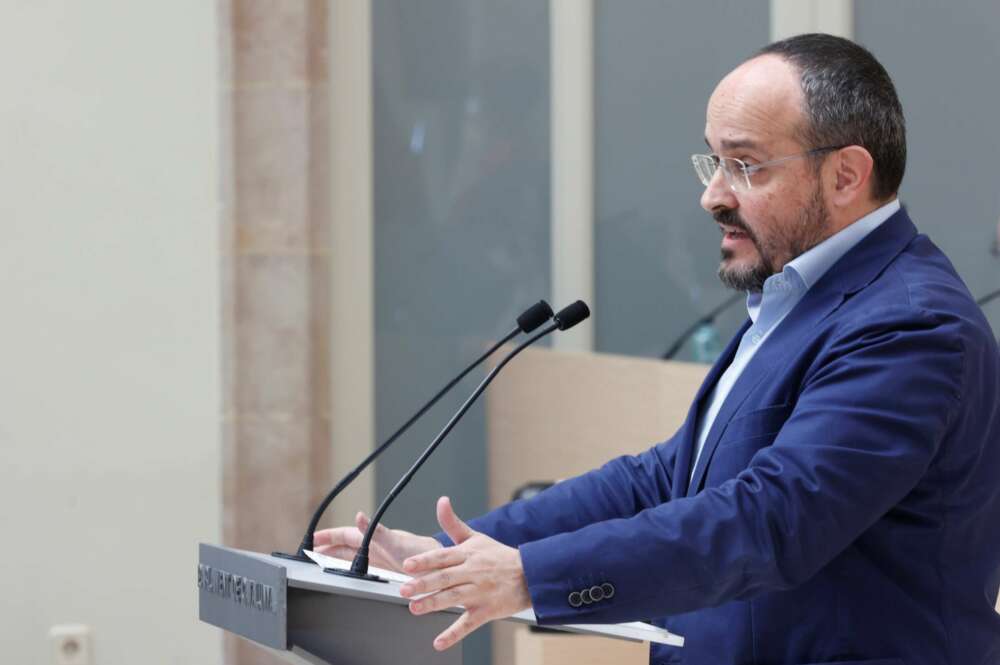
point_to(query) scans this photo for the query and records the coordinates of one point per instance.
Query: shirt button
(574, 599)
(755, 338)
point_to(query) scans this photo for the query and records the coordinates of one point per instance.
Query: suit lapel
(789, 335)
(851, 273)
(682, 465)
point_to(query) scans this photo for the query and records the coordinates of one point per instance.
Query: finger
(344, 535)
(378, 556)
(464, 625)
(362, 521)
(435, 581)
(434, 559)
(337, 551)
(326, 537)
(453, 597)
(456, 529)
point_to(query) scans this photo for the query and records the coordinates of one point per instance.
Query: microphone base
(358, 576)
(292, 557)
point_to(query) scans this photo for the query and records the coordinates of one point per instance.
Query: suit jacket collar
(853, 272)
(866, 260)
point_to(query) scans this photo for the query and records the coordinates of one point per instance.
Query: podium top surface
(311, 577)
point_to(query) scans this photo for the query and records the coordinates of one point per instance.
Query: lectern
(323, 618)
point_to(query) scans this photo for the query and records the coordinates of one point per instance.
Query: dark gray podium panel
(356, 631)
(243, 595)
(323, 618)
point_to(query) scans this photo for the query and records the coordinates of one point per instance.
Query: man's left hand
(480, 574)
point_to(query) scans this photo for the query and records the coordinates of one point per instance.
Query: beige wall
(109, 425)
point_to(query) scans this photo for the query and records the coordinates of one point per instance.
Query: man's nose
(718, 194)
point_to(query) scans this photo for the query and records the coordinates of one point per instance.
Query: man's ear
(853, 169)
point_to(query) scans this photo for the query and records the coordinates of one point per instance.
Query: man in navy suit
(834, 494)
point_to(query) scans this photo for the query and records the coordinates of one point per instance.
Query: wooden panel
(556, 414)
(555, 648)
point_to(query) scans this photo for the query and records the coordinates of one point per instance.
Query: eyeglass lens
(705, 167)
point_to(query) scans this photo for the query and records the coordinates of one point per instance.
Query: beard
(776, 248)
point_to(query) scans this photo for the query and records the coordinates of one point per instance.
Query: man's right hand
(388, 548)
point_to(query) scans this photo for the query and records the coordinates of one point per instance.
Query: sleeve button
(596, 593)
(585, 597)
(575, 600)
(609, 590)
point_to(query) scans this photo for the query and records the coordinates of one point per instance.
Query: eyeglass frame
(749, 169)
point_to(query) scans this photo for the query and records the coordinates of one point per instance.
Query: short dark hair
(849, 100)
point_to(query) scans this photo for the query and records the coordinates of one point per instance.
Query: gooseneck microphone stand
(528, 321)
(993, 295)
(708, 319)
(564, 320)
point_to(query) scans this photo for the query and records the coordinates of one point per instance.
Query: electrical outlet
(71, 644)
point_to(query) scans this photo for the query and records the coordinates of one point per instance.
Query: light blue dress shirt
(780, 295)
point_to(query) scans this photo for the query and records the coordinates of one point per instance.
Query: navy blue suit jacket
(846, 506)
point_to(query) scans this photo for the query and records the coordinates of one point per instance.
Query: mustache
(730, 217)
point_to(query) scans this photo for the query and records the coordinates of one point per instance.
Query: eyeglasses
(736, 171)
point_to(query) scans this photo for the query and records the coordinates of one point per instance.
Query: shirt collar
(807, 268)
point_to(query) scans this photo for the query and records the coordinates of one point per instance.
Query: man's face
(753, 116)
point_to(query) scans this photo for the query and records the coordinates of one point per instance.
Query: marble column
(276, 266)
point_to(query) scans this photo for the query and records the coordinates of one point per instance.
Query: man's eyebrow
(736, 144)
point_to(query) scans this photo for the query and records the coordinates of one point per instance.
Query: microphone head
(571, 315)
(534, 316)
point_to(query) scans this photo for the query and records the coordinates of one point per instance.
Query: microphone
(527, 322)
(706, 320)
(565, 319)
